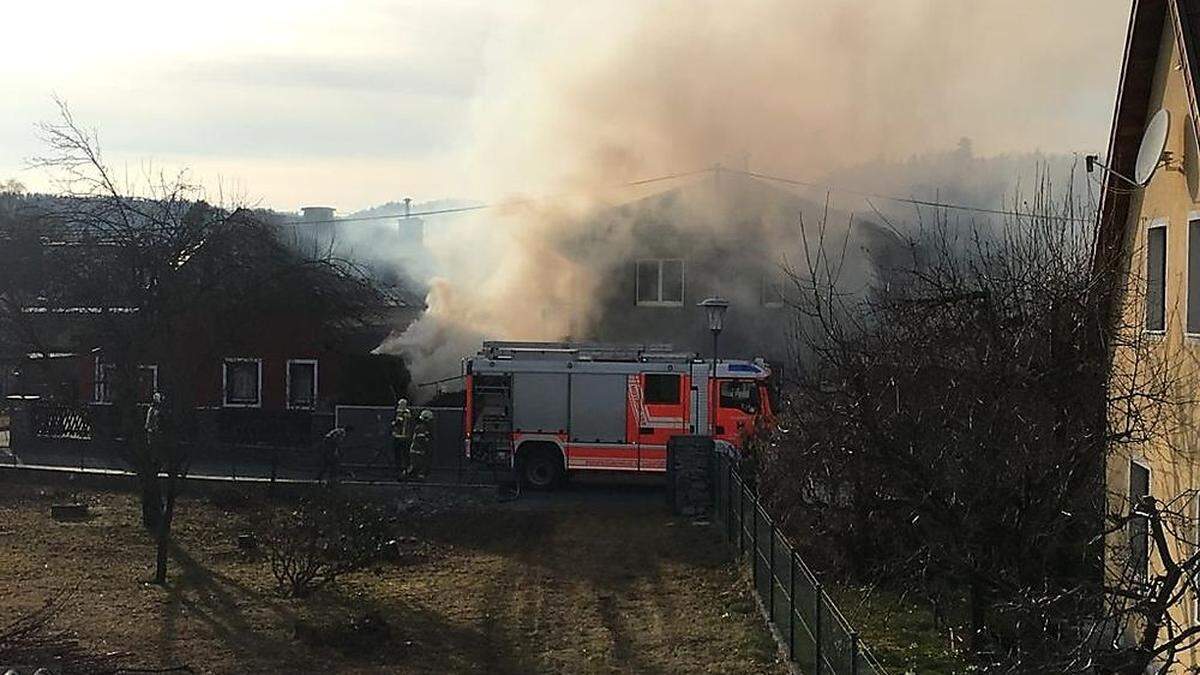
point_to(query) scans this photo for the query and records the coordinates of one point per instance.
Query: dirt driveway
(593, 580)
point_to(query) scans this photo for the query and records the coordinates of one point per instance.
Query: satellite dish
(1153, 143)
(1191, 158)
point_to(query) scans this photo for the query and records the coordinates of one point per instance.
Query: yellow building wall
(1172, 457)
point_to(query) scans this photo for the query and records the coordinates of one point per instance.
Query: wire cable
(715, 169)
(493, 205)
(905, 200)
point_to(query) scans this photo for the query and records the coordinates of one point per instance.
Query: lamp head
(715, 308)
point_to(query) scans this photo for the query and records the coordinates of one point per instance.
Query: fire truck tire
(541, 467)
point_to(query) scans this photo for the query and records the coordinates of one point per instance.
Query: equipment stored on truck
(548, 408)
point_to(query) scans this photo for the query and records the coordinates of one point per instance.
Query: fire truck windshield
(740, 394)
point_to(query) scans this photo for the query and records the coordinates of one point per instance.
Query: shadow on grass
(264, 631)
(610, 545)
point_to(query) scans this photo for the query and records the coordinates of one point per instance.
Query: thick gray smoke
(799, 88)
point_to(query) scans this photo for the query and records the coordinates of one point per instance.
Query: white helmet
(402, 404)
(426, 415)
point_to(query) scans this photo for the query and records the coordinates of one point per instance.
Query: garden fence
(818, 637)
(273, 445)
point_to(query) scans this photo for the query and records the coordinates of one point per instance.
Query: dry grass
(576, 582)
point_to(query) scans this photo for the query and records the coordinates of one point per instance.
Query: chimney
(318, 229)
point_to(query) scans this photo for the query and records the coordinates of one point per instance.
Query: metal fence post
(817, 630)
(792, 606)
(741, 517)
(728, 500)
(771, 571)
(754, 542)
(853, 652)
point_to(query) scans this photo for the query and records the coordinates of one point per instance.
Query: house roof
(1132, 112)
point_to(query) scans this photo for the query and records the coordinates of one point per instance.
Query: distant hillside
(397, 208)
(961, 177)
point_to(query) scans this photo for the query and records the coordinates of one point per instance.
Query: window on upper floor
(242, 383)
(772, 290)
(1193, 278)
(1156, 277)
(660, 282)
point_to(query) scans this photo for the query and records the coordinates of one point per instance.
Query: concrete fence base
(690, 475)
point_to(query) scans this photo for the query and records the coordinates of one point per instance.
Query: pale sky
(360, 102)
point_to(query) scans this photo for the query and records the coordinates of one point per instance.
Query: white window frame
(102, 383)
(637, 282)
(1196, 547)
(1157, 223)
(1193, 217)
(225, 381)
(316, 387)
(1129, 499)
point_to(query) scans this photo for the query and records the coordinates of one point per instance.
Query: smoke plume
(580, 100)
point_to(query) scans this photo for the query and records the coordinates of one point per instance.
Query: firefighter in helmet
(401, 437)
(154, 419)
(419, 453)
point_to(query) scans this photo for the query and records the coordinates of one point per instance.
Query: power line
(480, 207)
(712, 169)
(906, 200)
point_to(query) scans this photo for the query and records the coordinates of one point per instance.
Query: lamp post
(715, 308)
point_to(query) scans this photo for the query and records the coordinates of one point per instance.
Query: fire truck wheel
(541, 468)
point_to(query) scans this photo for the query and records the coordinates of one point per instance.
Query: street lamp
(715, 308)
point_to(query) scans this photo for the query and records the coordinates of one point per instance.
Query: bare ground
(592, 581)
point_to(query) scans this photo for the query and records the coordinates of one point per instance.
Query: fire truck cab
(548, 408)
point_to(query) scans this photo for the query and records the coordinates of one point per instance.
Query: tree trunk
(152, 501)
(164, 534)
(976, 601)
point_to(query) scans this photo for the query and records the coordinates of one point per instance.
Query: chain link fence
(818, 636)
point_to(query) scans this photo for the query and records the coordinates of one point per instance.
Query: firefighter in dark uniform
(331, 454)
(401, 437)
(419, 453)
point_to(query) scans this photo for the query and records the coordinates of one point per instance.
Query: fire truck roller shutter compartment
(598, 408)
(539, 402)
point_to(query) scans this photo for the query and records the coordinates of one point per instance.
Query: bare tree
(948, 430)
(165, 278)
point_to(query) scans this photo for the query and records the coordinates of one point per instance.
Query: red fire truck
(546, 408)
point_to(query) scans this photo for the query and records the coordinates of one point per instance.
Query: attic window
(660, 283)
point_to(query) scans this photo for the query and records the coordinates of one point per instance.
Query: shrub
(329, 533)
(30, 638)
